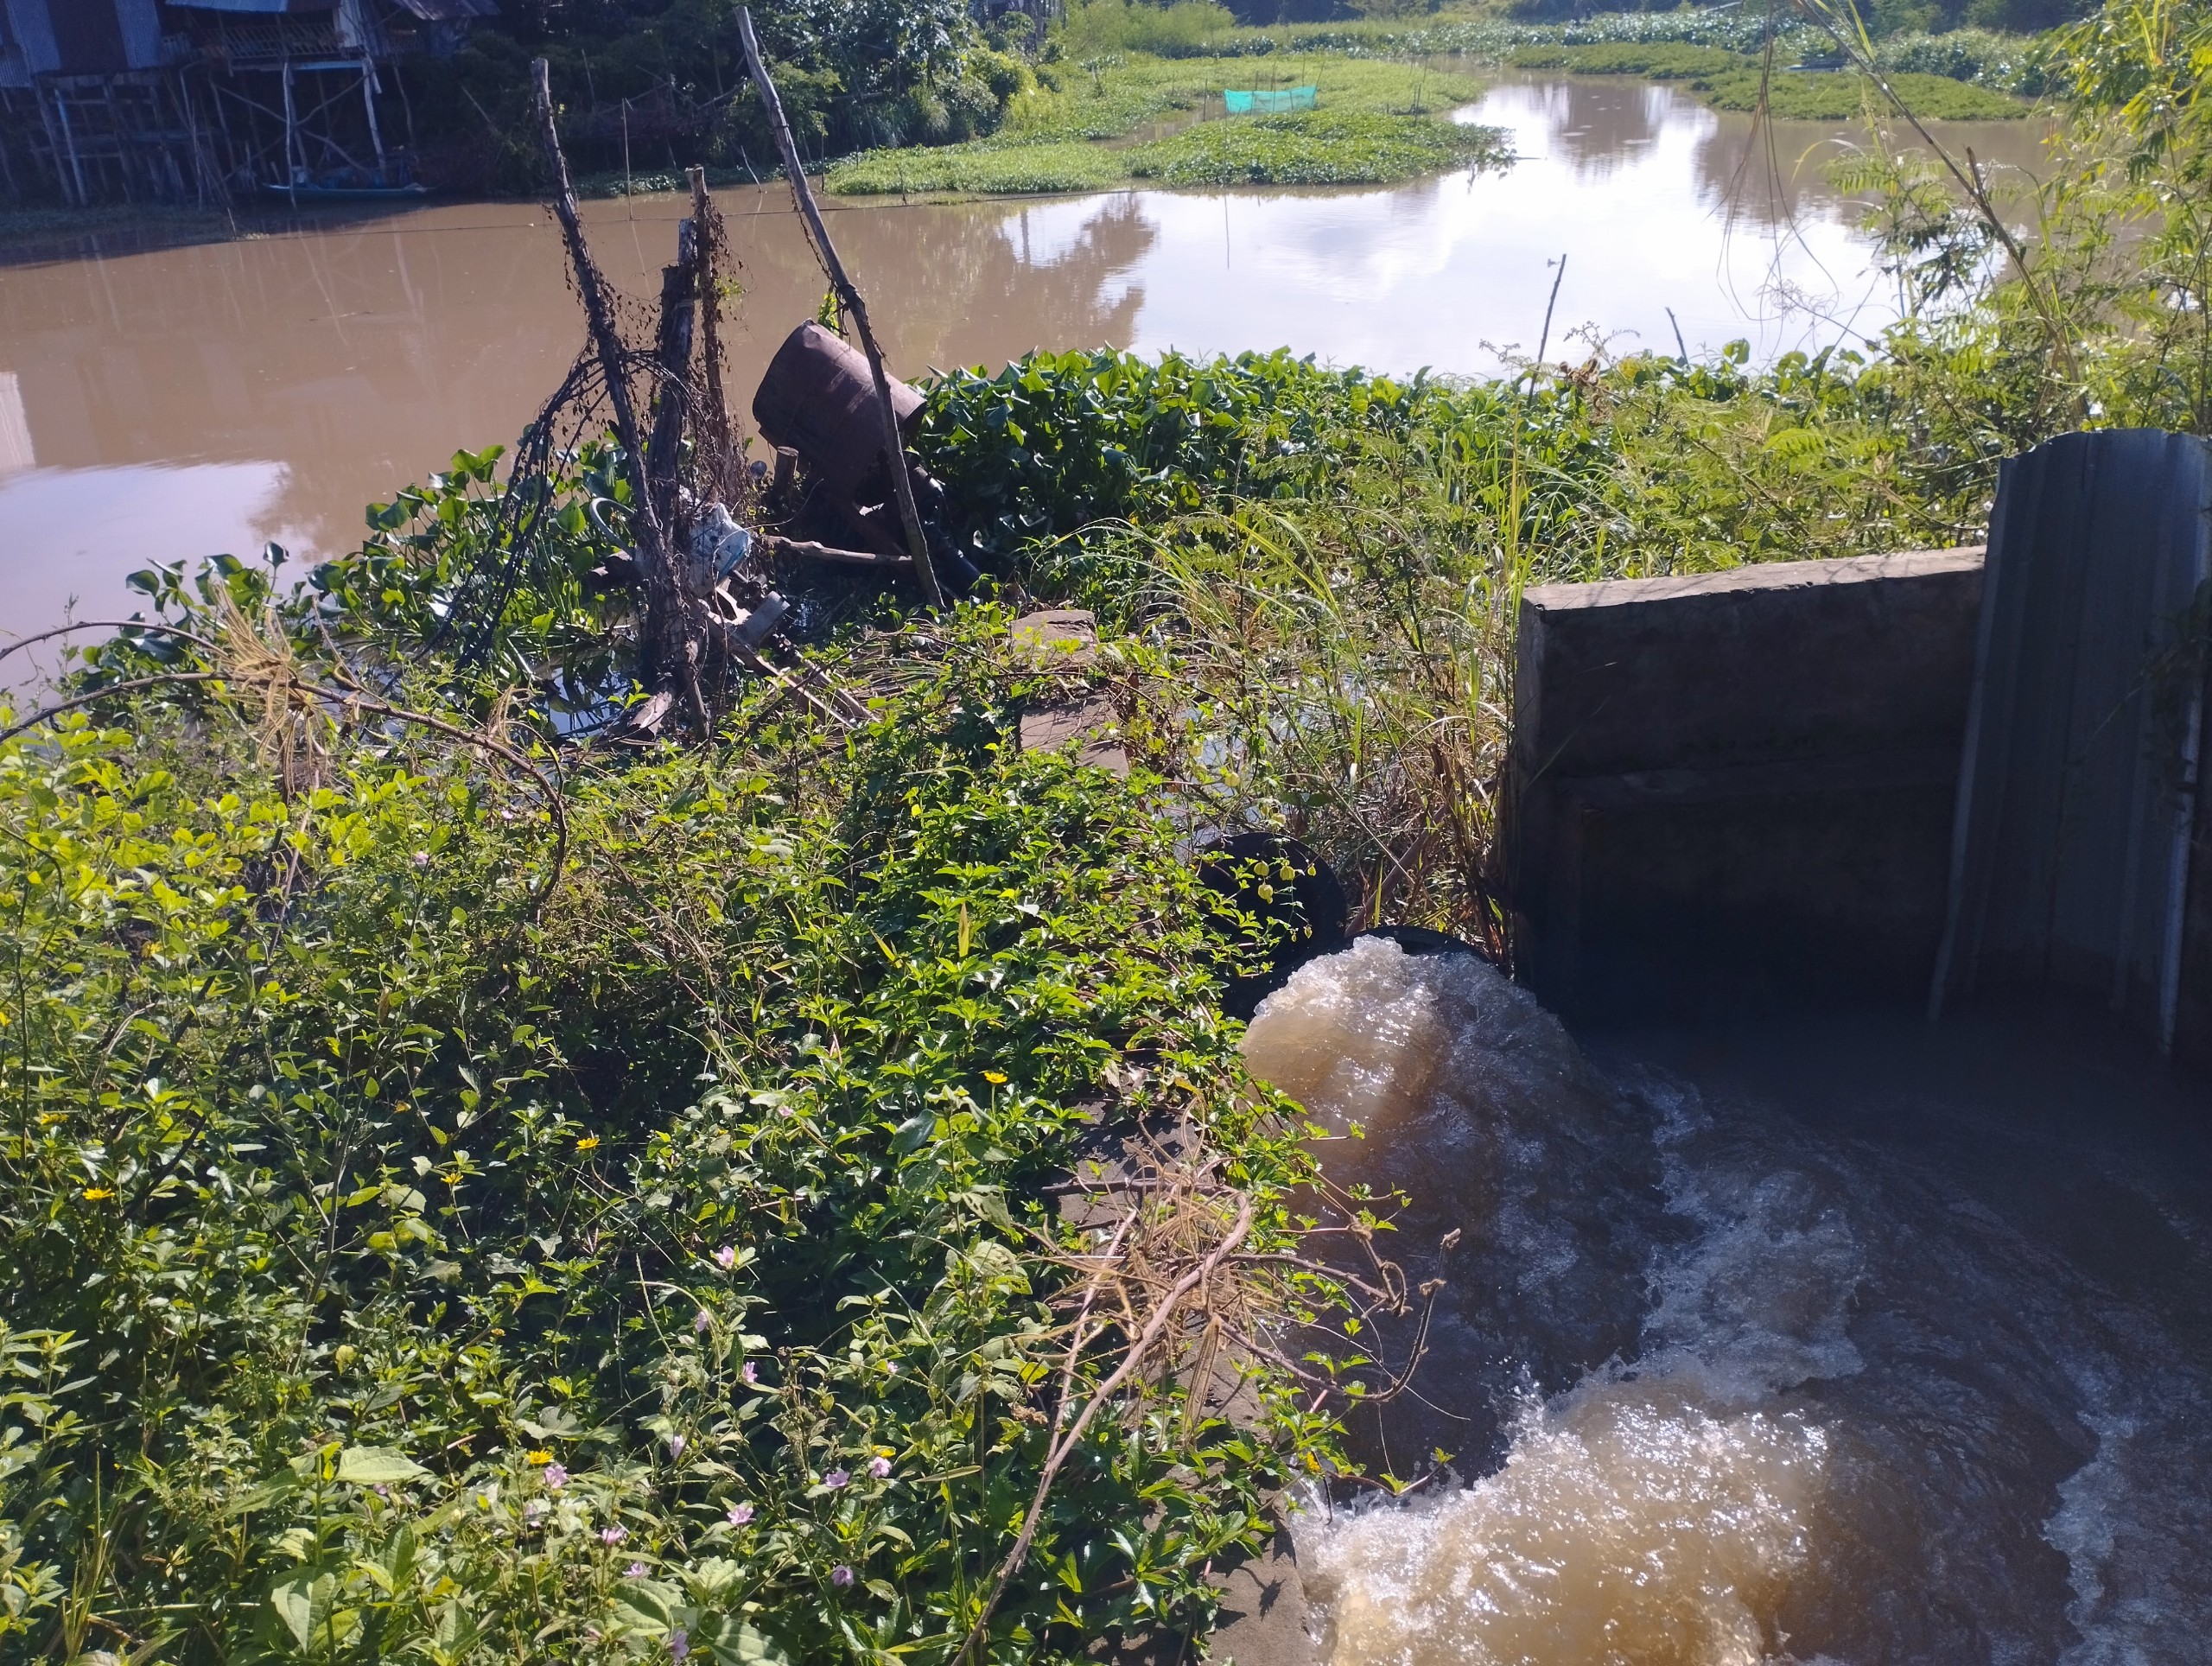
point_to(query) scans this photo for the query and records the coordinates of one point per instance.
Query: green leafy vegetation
(1309, 148)
(1377, 121)
(1731, 80)
(1313, 148)
(648, 86)
(418, 1250)
(1832, 96)
(983, 169)
(1658, 61)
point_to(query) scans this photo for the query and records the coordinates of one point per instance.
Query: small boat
(316, 193)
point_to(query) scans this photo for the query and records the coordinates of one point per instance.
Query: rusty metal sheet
(2077, 786)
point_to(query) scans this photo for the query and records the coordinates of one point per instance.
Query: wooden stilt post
(291, 122)
(69, 145)
(369, 103)
(895, 447)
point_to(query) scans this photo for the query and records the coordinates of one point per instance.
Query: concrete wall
(1736, 790)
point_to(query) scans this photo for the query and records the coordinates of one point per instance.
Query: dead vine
(296, 710)
(1174, 1279)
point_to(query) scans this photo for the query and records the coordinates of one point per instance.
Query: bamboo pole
(894, 449)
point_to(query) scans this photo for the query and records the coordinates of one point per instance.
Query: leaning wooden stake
(671, 645)
(894, 449)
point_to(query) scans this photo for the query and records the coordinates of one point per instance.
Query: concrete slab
(1067, 639)
(1057, 637)
(1735, 789)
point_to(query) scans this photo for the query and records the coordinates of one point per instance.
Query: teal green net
(1289, 97)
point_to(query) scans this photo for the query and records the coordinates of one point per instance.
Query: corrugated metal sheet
(2070, 841)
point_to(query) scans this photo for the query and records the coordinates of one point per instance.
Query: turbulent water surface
(1851, 1343)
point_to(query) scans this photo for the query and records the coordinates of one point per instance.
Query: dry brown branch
(1132, 1360)
(105, 625)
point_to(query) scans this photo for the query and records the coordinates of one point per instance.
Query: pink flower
(841, 1575)
(836, 1478)
(678, 1645)
(556, 1477)
(676, 1446)
(726, 1257)
(702, 1322)
(740, 1514)
(751, 1375)
(634, 1570)
(613, 1534)
(879, 1467)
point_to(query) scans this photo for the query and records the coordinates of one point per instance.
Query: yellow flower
(541, 1457)
(995, 1078)
(94, 1194)
(589, 1142)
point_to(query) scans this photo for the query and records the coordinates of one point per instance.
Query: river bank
(580, 1084)
(164, 419)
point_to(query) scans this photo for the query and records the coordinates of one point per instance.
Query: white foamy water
(1622, 1528)
(1730, 1377)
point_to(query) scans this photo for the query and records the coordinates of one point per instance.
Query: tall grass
(1334, 561)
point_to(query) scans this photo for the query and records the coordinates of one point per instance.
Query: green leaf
(293, 1600)
(376, 1467)
(647, 1605)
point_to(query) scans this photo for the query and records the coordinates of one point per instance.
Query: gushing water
(1729, 1375)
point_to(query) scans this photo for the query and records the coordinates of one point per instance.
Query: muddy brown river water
(174, 401)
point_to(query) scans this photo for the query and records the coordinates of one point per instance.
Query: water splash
(1805, 1367)
(1624, 1527)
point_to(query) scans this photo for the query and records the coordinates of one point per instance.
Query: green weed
(1372, 126)
(1731, 80)
(1315, 147)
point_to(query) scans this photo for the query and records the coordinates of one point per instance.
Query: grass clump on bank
(1307, 148)
(982, 169)
(1841, 95)
(1317, 147)
(1376, 122)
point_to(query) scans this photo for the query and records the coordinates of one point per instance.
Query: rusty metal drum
(819, 399)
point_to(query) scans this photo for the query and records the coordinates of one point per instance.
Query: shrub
(411, 1257)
